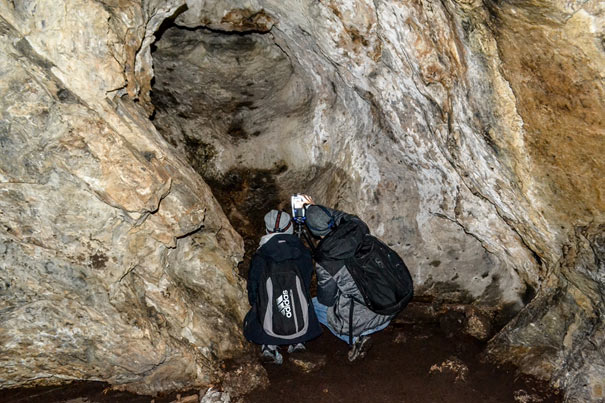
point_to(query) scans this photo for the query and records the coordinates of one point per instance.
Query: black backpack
(340, 244)
(283, 300)
(382, 277)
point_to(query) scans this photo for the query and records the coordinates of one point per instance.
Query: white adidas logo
(283, 304)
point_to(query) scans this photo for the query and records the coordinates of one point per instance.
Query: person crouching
(279, 280)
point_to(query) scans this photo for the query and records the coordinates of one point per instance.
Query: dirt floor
(406, 363)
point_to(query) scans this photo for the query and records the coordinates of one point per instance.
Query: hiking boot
(269, 354)
(359, 348)
(295, 348)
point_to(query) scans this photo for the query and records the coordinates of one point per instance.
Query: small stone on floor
(453, 366)
(308, 362)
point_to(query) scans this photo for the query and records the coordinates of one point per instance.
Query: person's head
(277, 221)
(319, 220)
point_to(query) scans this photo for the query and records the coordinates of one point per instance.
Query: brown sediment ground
(407, 363)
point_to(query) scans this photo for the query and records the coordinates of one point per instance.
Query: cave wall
(112, 247)
(467, 135)
(336, 135)
(552, 55)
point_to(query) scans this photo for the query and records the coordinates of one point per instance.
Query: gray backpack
(283, 301)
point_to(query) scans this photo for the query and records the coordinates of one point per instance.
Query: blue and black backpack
(283, 300)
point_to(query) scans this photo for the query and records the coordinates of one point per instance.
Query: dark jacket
(335, 285)
(279, 247)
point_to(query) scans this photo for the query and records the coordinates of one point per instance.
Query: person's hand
(308, 200)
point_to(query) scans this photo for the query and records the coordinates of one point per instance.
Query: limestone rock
(215, 396)
(522, 396)
(186, 399)
(101, 276)
(562, 328)
(452, 367)
(478, 325)
(245, 378)
(308, 362)
(469, 136)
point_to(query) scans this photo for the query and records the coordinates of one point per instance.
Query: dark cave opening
(246, 195)
(232, 105)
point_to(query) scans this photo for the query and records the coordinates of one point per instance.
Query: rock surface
(111, 247)
(469, 135)
(308, 362)
(469, 148)
(452, 367)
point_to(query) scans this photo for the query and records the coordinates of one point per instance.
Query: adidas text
(283, 304)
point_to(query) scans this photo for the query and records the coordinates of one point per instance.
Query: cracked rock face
(111, 247)
(228, 100)
(468, 135)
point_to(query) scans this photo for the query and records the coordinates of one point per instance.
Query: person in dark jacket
(339, 304)
(278, 245)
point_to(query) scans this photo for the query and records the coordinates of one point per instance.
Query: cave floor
(407, 363)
